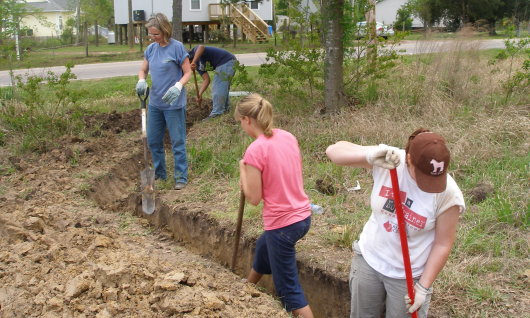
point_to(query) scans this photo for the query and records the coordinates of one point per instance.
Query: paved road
(104, 70)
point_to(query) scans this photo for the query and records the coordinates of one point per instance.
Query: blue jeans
(221, 87)
(275, 254)
(175, 121)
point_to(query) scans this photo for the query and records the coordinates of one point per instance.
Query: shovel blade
(147, 177)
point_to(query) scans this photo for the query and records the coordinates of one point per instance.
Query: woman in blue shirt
(168, 62)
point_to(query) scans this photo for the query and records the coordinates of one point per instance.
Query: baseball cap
(430, 158)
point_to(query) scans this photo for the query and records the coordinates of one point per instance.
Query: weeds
(41, 110)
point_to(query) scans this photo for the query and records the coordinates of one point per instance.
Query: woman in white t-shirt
(432, 204)
(271, 171)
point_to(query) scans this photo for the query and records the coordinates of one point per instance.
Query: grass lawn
(115, 53)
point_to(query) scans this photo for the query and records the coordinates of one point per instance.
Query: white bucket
(239, 93)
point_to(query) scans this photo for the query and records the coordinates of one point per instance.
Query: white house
(386, 11)
(193, 11)
(205, 13)
(54, 12)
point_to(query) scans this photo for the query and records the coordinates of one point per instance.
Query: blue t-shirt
(212, 55)
(165, 66)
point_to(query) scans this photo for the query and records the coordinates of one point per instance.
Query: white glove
(420, 293)
(172, 94)
(383, 156)
(141, 87)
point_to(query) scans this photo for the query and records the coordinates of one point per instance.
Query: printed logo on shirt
(414, 220)
(390, 227)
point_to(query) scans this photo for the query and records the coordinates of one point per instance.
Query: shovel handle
(238, 228)
(196, 87)
(403, 236)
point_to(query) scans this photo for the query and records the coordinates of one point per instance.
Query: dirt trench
(71, 245)
(61, 255)
(327, 293)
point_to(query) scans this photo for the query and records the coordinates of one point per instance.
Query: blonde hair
(257, 107)
(160, 22)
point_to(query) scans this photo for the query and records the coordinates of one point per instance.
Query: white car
(381, 29)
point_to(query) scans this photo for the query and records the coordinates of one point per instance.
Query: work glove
(420, 294)
(383, 156)
(172, 94)
(141, 87)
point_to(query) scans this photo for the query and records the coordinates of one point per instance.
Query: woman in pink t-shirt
(271, 170)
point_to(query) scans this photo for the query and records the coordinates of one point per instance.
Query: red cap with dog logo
(430, 158)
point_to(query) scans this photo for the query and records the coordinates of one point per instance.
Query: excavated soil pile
(61, 255)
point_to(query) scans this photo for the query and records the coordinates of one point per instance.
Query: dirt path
(62, 256)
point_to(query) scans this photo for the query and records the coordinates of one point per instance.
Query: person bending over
(222, 62)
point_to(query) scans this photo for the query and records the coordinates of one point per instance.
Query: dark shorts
(275, 254)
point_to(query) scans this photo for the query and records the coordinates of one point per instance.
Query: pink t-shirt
(279, 160)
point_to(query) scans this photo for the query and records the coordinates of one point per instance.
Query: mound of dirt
(130, 120)
(63, 256)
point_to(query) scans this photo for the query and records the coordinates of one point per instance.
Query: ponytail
(257, 107)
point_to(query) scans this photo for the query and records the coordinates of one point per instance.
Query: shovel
(147, 175)
(238, 229)
(403, 236)
(197, 88)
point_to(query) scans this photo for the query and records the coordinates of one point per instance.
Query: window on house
(60, 23)
(195, 4)
(254, 5)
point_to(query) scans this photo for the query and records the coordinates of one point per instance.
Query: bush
(403, 20)
(40, 110)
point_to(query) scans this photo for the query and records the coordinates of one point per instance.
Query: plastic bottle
(316, 209)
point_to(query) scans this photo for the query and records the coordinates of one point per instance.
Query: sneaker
(210, 117)
(179, 186)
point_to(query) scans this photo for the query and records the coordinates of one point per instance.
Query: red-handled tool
(403, 236)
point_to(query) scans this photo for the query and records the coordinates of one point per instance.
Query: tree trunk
(85, 27)
(78, 22)
(332, 14)
(234, 35)
(492, 27)
(97, 32)
(176, 20)
(130, 25)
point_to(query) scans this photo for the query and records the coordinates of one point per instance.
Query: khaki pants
(374, 295)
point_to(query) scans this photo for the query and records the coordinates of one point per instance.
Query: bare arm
(144, 69)
(186, 69)
(197, 56)
(345, 153)
(445, 233)
(250, 182)
(205, 83)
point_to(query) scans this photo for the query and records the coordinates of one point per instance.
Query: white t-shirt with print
(379, 241)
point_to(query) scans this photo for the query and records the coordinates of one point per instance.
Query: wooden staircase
(243, 17)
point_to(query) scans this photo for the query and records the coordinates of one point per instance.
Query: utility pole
(131, 30)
